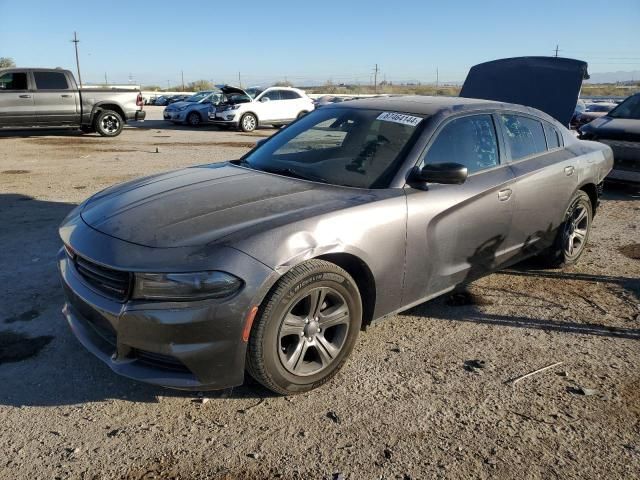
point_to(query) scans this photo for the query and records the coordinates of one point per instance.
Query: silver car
(274, 262)
(194, 110)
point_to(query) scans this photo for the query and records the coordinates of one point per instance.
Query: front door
(54, 99)
(16, 101)
(457, 233)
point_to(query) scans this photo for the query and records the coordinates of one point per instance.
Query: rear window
(50, 81)
(553, 137)
(524, 135)
(630, 108)
(13, 81)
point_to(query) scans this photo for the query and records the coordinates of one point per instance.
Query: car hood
(228, 89)
(550, 84)
(614, 128)
(201, 205)
(181, 103)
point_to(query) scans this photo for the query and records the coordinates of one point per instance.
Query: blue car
(193, 110)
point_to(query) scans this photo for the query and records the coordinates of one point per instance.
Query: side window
(553, 137)
(272, 95)
(50, 81)
(470, 141)
(289, 95)
(13, 81)
(524, 135)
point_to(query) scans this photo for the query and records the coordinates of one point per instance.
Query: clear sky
(153, 41)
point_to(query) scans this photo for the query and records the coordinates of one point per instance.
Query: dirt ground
(427, 394)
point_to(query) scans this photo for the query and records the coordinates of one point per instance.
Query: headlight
(229, 107)
(185, 286)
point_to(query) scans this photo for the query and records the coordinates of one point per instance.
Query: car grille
(113, 283)
(159, 360)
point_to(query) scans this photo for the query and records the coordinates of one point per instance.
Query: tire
(299, 355)
(194, 119)
(277, 126)
(248, 122)
(108, 123)
(573, 233)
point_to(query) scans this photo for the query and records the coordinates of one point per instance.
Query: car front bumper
(174, 115)
(184, 345)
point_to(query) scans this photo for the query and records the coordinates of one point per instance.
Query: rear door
(546, 175)
(457, 232)
(16, 101)
(292, 103)
(55, 99)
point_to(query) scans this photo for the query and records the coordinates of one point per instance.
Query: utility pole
(182, 72)
(437, 78)
(167, 85)
(76, 42)
(239, 80)
(375, 78)
(105, 79)
(557, 50)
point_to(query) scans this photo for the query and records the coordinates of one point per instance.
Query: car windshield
(198, 97)
(254, 91)
(630, 108)
(341, 146)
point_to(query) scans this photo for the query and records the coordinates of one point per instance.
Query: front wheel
(305, 329)
(108, 123)
(194, 119)
(249, 122)
(573, 234)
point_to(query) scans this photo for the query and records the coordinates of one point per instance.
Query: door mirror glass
(445, 173)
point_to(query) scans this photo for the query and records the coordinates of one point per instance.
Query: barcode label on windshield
(399, 118)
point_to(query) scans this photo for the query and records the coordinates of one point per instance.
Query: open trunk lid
(550, 84)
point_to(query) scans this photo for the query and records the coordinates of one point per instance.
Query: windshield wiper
(292, 172)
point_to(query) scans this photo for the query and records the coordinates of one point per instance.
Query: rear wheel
(194, 119)
(248, 122)
(306, 328)
(108, 123)
(573, 234)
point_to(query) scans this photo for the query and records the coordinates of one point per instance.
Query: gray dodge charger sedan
(273, 263)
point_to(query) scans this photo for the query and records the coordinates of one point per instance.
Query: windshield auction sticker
(399, 118)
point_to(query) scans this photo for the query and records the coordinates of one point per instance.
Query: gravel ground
(427, 393)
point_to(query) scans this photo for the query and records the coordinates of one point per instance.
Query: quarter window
(13, 81)
(50, 81)
(470, 141)
(553, 137)
(524, 135)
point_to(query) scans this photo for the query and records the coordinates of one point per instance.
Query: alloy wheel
(313, 331)
(575, 230)
(110, 123)
(248, 122)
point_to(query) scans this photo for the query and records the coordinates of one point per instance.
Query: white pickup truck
(45, 97)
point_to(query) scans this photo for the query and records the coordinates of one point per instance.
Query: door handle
(65, 95)
(25, 96)
(504, 195)
(568, 171)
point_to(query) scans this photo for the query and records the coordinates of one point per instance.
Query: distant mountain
(613, 77)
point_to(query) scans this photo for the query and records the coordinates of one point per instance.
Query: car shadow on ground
(167, 125)
(41, 363)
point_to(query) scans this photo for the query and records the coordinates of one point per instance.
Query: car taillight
(139, 101)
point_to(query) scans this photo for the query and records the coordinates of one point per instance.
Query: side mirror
(265, 99)
(445, 173)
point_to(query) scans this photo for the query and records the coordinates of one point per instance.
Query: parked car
(593, 111)
(620, 129)
(329, 99)
(275, 261)
(177, 98)
(46, 97)
(193, 110)
(162, 100)
(249, 109)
